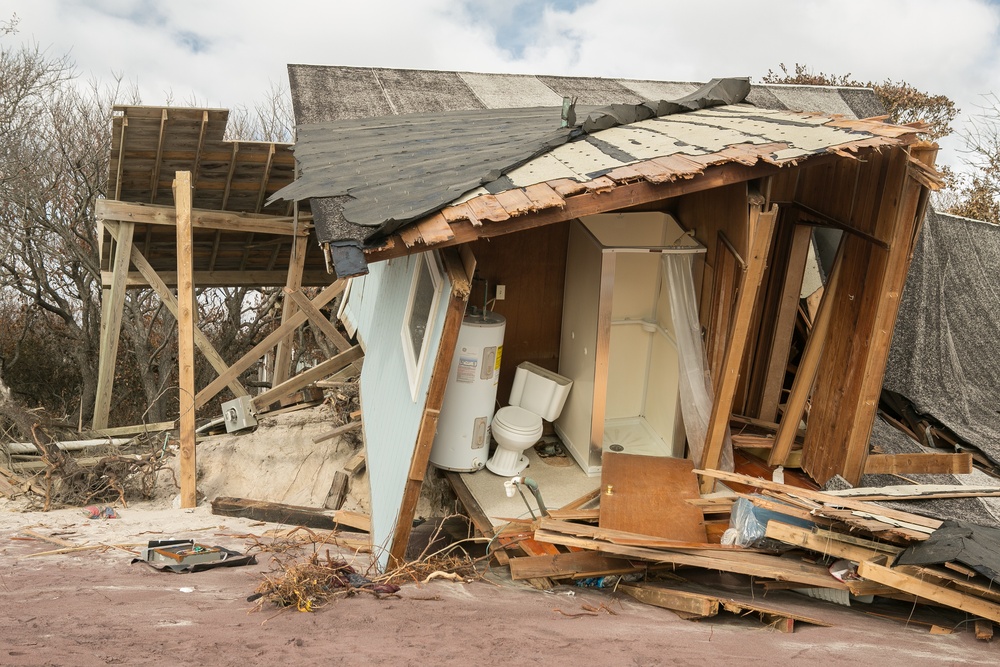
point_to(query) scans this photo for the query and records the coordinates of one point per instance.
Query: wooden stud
(154, 179)
(726, 389)
(111, 323)
(226, 221)
(186, 316)
(784, 326)
(805, 376)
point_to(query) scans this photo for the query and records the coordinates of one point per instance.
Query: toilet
(537, 394)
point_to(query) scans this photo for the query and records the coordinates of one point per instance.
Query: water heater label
(467, 366)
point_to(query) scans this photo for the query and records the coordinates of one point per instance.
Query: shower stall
(619, 344)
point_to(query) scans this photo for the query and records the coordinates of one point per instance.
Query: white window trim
(414, 363)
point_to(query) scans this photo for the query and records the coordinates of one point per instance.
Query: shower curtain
(695, 389)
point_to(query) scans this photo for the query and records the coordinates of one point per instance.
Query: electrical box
(239, 414)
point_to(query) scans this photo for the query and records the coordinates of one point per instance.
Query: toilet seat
(516, 420)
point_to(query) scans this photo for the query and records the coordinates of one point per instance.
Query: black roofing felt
(366, 178)
(944, 347)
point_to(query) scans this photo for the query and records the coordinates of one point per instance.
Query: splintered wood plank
(577, 564)
(914, 586)
(411, 236)
(648, 496)
(515, 202)
(984, 629)
(543, 196)
(486, 207)
(567, 187)
(435, 229)
(934, 463)
(695, 604)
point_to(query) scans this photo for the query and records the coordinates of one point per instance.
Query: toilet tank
(539, 390)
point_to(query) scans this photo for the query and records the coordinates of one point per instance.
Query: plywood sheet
(649, 497)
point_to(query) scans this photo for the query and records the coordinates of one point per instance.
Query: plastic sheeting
(944, 350)
(695, 389)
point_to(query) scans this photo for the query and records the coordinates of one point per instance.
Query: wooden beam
(933, 463)
(826, 545)
(251, 357)
(914, 586)
(805, 375)
(111, 324)
(589, 203)
(107, 209)
(317, 319)
(186, 316)
(784, 325)
(229, 176)
(278, 278)
(305, 378)
(166, 296)
(296, 515)
(725, 391)
(296, 264)
(459, 296)
(691, 604)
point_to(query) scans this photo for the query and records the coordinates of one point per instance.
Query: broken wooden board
(931, 463)
(648, 495)
(355, 464)
(311, 517)
(573, 565)
(924, 589)
(826, 542)
(702, 605)
(917, 492)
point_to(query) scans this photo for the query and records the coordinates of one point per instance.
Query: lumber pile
(806, 540)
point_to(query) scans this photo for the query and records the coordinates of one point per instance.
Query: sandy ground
(95, 608)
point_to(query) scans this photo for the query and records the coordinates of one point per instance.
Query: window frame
(413, 360)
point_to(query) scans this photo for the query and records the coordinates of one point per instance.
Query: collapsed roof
(368, 177)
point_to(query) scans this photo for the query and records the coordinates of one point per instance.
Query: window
(420, 309)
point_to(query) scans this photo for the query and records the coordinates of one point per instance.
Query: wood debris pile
(830, 546)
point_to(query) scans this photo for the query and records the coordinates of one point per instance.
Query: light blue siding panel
(391, 416)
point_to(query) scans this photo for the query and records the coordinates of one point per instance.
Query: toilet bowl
(537, 394)
(515, 429)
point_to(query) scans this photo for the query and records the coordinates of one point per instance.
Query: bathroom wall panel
(627, 371)
(532, 266)
(661, 396)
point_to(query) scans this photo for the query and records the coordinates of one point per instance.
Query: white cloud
(228, 52)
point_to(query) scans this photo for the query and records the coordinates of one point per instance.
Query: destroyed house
(649, 241)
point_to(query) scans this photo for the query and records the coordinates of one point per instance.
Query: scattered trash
(186, 556)
(96, 512)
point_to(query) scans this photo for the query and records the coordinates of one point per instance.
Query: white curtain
(696, 393)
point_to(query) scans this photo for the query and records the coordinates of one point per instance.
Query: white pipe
(69, 446)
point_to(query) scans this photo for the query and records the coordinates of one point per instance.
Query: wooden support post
(111, 323)
(251, 357)
(296, 264)
(805, 376)
(168, 299)
(432, 408)
(725, 391)
(186, 314)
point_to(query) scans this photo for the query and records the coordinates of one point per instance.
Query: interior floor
(632, 435)
(560, 481)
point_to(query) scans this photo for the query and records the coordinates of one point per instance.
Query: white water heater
(462, 442)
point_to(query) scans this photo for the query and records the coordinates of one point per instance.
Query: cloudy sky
(229, 52)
